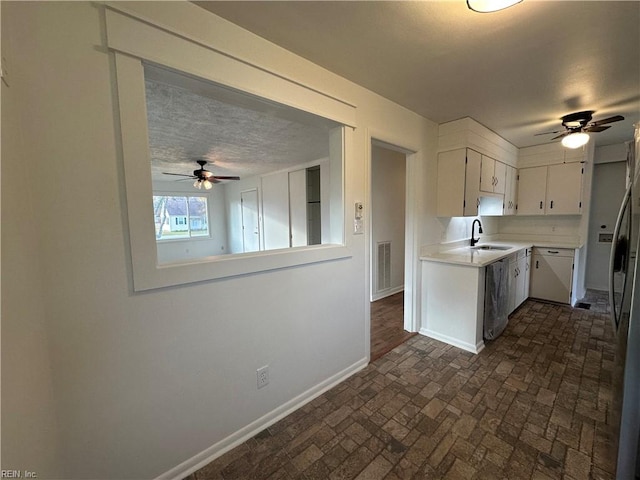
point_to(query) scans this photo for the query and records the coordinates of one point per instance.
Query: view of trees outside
(180, 216)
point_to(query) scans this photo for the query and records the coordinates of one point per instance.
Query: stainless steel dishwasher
(496, 298)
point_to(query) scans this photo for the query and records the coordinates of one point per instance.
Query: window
(141, 50)
(180, 217)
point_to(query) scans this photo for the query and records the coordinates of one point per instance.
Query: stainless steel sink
(491, 247)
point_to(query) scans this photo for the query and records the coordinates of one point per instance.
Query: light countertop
(471, 257)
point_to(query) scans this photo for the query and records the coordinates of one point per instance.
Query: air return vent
(384, 266)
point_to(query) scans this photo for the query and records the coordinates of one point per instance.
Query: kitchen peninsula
(453, 286)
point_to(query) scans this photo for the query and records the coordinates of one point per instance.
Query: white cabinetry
(550, 190)
(492, 175)
(551, 274)
(458, 183)
(510, 191)
(519, 269)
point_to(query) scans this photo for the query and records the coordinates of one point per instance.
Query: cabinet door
(487, 178)
(521, 274)
(499, 175)
(451, 183)
(532, 185)
(564, 189)
(527, 276)
(513, 280)
(472, 183)
(511, 178)
(551, 278)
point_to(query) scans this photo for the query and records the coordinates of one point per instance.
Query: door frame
(412, 278)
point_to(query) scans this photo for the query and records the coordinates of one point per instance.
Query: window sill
(149, 276)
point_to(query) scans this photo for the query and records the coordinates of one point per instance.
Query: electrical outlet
(263, 376)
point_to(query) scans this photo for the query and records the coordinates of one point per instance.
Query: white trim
(386, 293)
(208, 455)
(147, 274)
(412, 272)
(160, 45)
(469, 347)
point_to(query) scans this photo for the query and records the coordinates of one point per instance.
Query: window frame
(190, 237)
(132, 42)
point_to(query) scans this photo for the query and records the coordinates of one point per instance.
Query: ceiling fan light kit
(206, 184)
(203, 178)
(575, 140)
(488, 6)
(577, 127)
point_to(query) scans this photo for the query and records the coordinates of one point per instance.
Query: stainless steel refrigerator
(624, 297)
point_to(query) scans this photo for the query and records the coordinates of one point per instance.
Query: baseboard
(387, 293)
(469, 347)
(205, 457)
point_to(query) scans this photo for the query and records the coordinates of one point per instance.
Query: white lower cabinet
(552, 273)
(519, 269)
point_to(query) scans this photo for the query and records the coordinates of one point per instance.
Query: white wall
(29, 425)
(608, 190)
(139, 383)
(388, 177)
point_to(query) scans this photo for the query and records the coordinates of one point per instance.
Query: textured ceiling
(516, 71)
(241, 135)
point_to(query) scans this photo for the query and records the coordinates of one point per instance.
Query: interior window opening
(233, 173)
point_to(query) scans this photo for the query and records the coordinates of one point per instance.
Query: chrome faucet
(473, 227)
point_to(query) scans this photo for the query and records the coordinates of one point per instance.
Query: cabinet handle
(537, 266)
(540, 205)
(553, 251)
(551, 206)
(478, 202)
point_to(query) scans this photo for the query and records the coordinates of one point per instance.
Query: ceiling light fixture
(199, 183)
(575, 140)
(487, 6)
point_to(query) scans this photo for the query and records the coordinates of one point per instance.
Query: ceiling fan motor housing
(578, 120)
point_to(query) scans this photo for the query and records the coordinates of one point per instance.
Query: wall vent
(384, 266)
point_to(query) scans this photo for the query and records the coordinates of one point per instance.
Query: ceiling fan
(578, 125)
(203, 178)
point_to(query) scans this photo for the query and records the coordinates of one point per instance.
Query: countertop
(467, 256)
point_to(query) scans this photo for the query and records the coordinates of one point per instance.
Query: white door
(532, 186)
(275, 210)
(298, 207)
(564, 189)
(487, 178)
(250, 221)
(472, 183)
(499, 174)
(551, 278)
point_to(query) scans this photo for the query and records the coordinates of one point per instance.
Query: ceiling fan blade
(218, 177)
(561, 135)
(547, 133)
(616, 118)
(178, 174)
(596, 128)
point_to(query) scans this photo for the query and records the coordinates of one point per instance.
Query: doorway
(387, 246)
(250, 221)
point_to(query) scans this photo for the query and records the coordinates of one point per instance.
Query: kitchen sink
(491, 247)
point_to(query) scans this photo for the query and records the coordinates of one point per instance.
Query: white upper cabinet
(492, 175)
(510, 191)
(550, 190)
(532, 190)
(458, 183)
(564, 189)
(471, 181)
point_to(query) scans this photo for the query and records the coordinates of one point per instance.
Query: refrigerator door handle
(615, 318)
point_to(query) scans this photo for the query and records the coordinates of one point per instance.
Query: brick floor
(534, 404)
